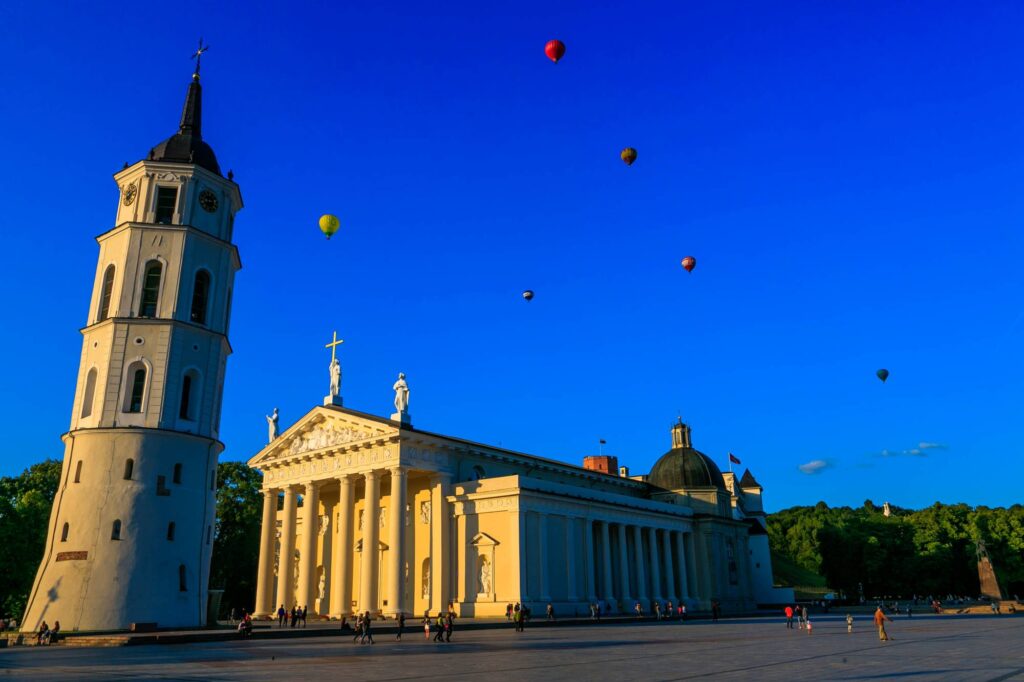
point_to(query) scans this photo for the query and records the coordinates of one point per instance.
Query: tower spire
(192, 112)
(198, 56)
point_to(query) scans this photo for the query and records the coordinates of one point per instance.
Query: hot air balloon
(628, 155)
(882, 374)
(689, 263)
(329, 224)
(528, 295)
(554, 50)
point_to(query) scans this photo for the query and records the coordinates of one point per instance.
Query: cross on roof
(198, 56)
(335, 341)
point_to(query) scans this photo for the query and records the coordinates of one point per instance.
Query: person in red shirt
(880, 619)
(789, 617)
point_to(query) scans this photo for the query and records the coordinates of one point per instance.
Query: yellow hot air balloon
(329, 224)
(628, 155)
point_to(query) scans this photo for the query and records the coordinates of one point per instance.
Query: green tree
(237, 546)
(25, 503)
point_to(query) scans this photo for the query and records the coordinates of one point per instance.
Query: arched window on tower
(170, 531)
(177, 473)
(78, 472)
(200, 296)
(182, 585)
(115, 531)
(151, 288)
(89, 394)
(137, 387)
(105, 293)
(129, 468)
(64, 532)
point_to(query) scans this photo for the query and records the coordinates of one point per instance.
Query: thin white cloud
(923, 445)
(815, 466)
(919, 451)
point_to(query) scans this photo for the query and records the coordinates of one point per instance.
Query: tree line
(930, 551)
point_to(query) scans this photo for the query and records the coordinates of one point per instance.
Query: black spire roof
(187, 146)
(748, 480)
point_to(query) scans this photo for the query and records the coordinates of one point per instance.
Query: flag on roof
(734, 459)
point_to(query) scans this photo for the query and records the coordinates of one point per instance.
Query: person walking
(449, 625)
(401, 625)
(715, 610)
(366, 629)
(849, 623)
(508, 611)
(358, 628)
(808, 626)
(551, 612)
(789, 617)
(682, 612)
(800, 617)
(439, 637)
(519, 620)
(303, 615)
(426, 624)
(280, 616)
(880, 619)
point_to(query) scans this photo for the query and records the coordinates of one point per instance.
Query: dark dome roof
(685, 467)
(186, 145)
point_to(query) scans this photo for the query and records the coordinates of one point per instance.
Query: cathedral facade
(131, 530)
(365, 513)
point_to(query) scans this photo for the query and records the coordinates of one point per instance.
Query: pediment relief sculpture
(324, 435)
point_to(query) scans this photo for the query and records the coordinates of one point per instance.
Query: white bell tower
(131, 531)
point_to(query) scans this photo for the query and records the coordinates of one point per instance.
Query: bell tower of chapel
(131, 530)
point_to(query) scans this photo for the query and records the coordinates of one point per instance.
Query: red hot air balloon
(689, 263)
(554, 50)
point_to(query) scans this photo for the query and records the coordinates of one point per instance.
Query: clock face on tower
(208, 200)
(129, 194)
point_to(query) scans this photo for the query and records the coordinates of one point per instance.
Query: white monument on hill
(131, 531)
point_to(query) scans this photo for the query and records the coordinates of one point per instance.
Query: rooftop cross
(198, 56)
(335, 341)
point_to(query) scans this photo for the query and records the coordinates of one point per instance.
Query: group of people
(294, 617)
(362, 628)
(48, 635)
(668, 612)
(520, 613)
(803, 620)
(445, 624)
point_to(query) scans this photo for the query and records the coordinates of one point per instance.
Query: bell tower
(131, 530)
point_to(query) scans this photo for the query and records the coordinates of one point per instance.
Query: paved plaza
(924, 648)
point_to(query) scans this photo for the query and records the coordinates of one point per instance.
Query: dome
(683, 466)
(186, 145)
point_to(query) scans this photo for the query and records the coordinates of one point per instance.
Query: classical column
(285, 570)
(440, 571)
(638, 557)
(371, 544)
(396, 542)
(670, 574)
(608, 593)
(655, 565)
(524, 558)
(589, 561)
(341, 581)
(307, 556)
(543, 553)
(265, 577)
(624, 565)
(684, 588)
(571, 571)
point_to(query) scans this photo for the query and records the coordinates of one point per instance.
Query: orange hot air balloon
(554, 50)
(628, 155)
(689, 263)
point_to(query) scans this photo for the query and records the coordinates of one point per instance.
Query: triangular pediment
(324, 429)
(483, 540)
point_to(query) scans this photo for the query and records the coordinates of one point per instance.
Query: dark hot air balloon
(882, 374)
(554, 50)
(628, 155)
(528, 295)
(689, 263)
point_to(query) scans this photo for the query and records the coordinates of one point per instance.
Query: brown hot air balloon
(628, 155)
(689, 263)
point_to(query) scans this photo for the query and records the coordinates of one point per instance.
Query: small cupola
(681, 435)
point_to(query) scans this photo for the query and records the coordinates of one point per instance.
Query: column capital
(271, 492)
(372, 474)
(398, 470)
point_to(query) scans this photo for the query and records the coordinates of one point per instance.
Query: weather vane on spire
(198, 55)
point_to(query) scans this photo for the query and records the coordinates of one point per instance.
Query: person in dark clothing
(358, 628)
(295, 615)
(280, 616)
(439, 637)
(366, 629)
(449, 625)
(401, 626)
(302, 615)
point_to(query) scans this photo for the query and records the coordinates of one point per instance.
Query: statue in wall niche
(426, 580)
(272, 420)
(425, 512)
(325, 521)
(401, 394)
(485, 576)
(382, 517)
(323, 584)
(359, 525)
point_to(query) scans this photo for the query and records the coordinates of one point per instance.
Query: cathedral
(131, 531)
(369, 513)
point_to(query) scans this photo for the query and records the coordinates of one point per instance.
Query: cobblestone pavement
(922, 648)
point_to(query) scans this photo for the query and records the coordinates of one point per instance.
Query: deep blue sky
(848, 176)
